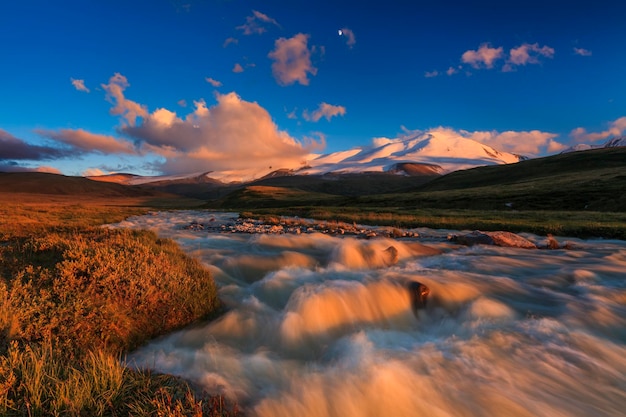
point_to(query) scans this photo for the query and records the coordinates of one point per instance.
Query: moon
(340, 32)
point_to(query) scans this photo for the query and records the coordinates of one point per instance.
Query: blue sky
(174, 86)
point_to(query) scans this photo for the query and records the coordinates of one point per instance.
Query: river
(320, 325)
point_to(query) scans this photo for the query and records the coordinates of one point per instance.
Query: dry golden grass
(75, 296)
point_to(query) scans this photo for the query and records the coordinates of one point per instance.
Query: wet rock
(504, 239)
(419, 295)
(552, 242)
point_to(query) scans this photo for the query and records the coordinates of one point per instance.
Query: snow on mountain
(438, 151)
(615, 142)
(450, 152)
(611, 143)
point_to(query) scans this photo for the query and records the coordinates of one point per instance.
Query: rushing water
(323, 326)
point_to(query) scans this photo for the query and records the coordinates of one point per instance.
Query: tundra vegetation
(74, 297)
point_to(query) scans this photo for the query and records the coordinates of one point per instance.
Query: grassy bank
(586, 224)
(75, 297)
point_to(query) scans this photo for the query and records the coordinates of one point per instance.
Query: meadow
(75, 297)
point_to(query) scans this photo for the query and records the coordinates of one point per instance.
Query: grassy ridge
(577, 194)
(74, 297)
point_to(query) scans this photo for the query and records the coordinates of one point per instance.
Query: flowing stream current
(319, 325)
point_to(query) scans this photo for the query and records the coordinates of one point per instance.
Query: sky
(168, 87)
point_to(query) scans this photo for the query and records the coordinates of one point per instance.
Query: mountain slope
(588, 180)
(438, 149)
(55, 184)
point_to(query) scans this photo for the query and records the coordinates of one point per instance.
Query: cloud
(527, 54)
(484, 55)
(228, 41)
(237, 68)
(431, 74)
(533, 142)
(292, 60)
(234, 134)
(84, 141)
(616, 128)
(12, 148)
(349, 34)
(451, 71)
(582, 51)
(79, 85)
(14, 167)
(214, 82)
(128, 109)
(94, 172)
(324, 110)
(256, 24)
(182, 102)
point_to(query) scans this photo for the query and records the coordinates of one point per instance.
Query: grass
(579, 194)
(74, 297)
(559, 223)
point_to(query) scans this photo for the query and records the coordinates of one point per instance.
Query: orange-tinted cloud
(214, 82)
(128, 109)
(616, 128)
(82, 140)
(527, 54)
(237, 68)
(79, 85)
(531, 142)
(431, 74)
(256, 24)
(484, 55)
(233, 135)
(324, 110)
(292, 60)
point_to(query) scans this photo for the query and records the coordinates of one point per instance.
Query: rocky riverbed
(297, 226)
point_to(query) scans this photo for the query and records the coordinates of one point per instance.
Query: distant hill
(55, 184)
(586, 180)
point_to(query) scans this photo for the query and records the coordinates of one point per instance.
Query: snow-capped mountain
(437, 152)
(611, 143)
(448, 152)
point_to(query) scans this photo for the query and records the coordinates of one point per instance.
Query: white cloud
(79, 85)
(582, 51)
(214, 82)
(256, 24)
(324, 110)
(484, 55)
(234, 134)
(128, 109)
(615, 128)
(527, 54)
(349, 34)
(292, 60)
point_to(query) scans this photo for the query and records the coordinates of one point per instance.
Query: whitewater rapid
(323, 326)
